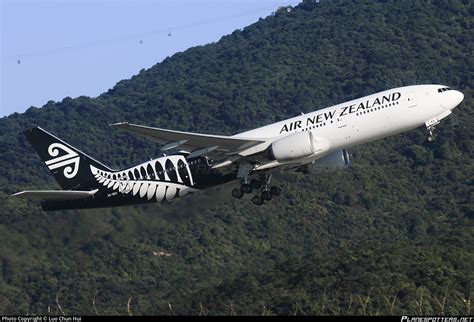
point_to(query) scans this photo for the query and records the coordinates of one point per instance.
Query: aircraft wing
(195, 143)
(55, 194)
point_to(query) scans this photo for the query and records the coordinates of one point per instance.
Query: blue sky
(84, 47)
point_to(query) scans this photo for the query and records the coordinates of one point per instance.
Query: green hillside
(393, 235)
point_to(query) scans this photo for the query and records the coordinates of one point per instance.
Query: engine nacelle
(337, 160)
(297, 146)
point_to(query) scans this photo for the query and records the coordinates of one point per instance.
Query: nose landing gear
(431, 136)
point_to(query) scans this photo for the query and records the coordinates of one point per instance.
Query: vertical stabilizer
(69, 166)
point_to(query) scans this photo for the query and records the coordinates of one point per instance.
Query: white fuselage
(368, 118)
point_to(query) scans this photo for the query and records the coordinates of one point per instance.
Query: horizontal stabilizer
(55, 194)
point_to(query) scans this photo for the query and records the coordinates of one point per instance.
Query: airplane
(309, 143)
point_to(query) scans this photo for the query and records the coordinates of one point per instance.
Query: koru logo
(70, 160)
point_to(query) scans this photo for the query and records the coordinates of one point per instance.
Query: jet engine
(337, 160)
(297, 146)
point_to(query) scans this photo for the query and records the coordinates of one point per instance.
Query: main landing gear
(266, 193)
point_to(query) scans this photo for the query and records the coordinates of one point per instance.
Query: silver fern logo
(69, 160)
(162, 179)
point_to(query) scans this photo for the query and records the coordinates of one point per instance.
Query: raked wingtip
(17, 194)
(119, 124)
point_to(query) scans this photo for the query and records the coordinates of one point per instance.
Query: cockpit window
(444, 89)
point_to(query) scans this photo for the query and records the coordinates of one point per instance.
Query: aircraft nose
(457, 98)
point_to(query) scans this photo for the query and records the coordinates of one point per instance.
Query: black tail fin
(69, 166)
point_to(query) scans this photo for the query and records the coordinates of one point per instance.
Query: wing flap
(55, 194)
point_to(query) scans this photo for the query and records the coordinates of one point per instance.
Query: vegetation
(392, 235)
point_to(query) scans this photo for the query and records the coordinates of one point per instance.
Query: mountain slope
(398, 225)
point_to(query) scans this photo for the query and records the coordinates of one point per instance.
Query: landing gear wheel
(431, 136)
(255, 183)
(275, 191)
(257, 200)
(237, 193)
(266, 195)
(246, 188)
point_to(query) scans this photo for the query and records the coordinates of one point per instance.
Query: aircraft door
(340, 122)
(412, 100)
(343, 130)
